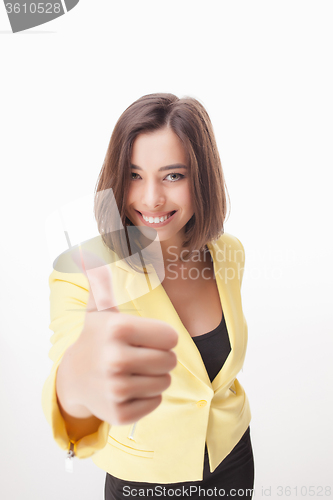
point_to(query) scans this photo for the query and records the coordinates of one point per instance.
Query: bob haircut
(190, 122)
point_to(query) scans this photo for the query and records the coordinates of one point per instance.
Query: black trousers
(233, 478)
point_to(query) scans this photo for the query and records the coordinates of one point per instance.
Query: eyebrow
(167, 167)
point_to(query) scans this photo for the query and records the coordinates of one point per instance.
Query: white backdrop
(264, 72)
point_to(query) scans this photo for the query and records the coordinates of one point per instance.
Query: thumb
(98, 273)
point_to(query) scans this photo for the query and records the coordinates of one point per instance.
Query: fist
(120, 364)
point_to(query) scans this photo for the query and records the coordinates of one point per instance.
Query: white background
(263, 70)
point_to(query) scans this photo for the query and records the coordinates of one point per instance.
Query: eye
(181, 176)
(134, 178)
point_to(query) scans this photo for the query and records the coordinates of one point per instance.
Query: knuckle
(114, 327)
(118, 329)
(167, 381)
(122, 420)
(117, 359)
(120, 416)
(172, 360)
(119, 389)
(117, 367)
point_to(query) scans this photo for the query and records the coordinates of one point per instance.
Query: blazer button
(201, 404)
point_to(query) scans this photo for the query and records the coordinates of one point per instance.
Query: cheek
(186, 197)
(130, 196)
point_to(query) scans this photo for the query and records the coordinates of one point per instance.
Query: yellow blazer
(169, 443)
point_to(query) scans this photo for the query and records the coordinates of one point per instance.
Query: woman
(104, 395)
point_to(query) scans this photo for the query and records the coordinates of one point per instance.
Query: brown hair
(190, 122)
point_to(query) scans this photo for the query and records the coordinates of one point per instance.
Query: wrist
(66, 390)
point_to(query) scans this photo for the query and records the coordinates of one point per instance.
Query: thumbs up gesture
(118, 368)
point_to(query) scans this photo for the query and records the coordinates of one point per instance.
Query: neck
(173, 251)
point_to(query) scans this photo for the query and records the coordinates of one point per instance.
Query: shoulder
(67, 275)
(231, 247)
(62, 278)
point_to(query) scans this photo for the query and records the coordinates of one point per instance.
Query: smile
(157, 221)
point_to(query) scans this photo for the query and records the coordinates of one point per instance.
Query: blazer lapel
(151, 300)
(227, 283)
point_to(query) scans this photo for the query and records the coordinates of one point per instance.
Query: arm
(68, 299)
(79, 421)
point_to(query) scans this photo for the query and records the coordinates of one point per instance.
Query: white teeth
(155, 220)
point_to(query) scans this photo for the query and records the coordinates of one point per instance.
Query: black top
(214, 348)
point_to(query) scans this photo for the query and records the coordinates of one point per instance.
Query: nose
(152, 194)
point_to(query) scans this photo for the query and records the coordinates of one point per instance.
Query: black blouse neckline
(204, 336)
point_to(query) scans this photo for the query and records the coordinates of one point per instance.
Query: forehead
(158, 148)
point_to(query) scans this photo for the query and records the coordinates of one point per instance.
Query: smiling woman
(104, 395)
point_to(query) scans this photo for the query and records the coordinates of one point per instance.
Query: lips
(155, 215)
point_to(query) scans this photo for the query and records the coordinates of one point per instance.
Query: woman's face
(160, 185)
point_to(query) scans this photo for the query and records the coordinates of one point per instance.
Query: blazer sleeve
(68, 299)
